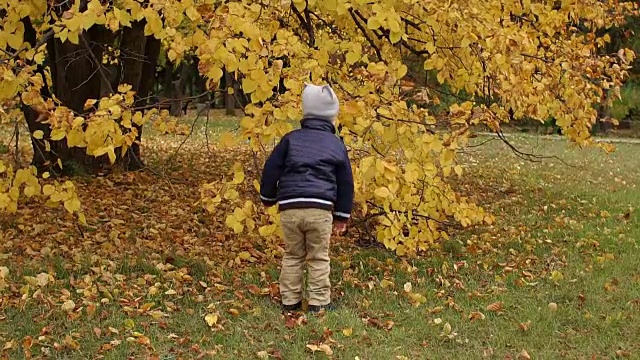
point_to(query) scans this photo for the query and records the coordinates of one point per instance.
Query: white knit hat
(319, 102)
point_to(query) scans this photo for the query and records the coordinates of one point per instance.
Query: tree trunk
(78, 75)
(178, 87)
(229, 98)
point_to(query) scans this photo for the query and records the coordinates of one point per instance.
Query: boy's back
(310, 168)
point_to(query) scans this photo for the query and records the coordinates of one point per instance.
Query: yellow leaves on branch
(25, 181)
(111, 126)
(402, 166)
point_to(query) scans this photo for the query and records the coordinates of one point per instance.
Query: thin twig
(193, 125)
(98, 64)
(531, 157)
(17, 134)
(427, 217)
(482, 143)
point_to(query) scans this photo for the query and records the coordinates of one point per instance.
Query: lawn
(154, 276)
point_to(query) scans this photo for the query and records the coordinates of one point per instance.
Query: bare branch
(98, 64)
(306, 23)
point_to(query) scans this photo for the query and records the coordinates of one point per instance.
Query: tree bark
(229, 98)
(178, 90)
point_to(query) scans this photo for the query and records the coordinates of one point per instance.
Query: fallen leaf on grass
(347, 332)
(387, 325)
(68, 305)
(71, 343)
(524, 326)
(211, 319)
(253, 289)
(447, 331)
(524, 355)
(386, 284)
(476, 315)
(322, 347)
(27, 342)
(292, 320)
(623, 353)
(496, 306)
(42, 279)
(556, 276)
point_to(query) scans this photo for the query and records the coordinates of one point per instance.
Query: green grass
(566, 234)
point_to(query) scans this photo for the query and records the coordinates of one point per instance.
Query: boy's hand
(339, 228)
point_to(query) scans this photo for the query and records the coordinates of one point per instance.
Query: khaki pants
(306, 237)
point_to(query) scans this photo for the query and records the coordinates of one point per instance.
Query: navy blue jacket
(309, 168)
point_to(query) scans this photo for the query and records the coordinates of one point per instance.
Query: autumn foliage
(500, 61)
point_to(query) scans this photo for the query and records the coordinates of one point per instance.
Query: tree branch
(306, 23)
(364, 33)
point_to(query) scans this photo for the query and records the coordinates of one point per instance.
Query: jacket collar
(318, 124)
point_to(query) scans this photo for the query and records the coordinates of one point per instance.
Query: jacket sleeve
(273, 168)
(344, 179)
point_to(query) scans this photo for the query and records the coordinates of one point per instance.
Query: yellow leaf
(58, 134)
(68, 305)
(382, 192)
(347, 332)
(408, 287)
(556, 276)
(386, 283)
(402, 71)
(373, 23)
(42, 279)
(73, 38)
(446, 329)
(82, 218)
(47, 190)
(192, 13)
(38, 134)
(211, 319)
(228, 140)
(112, 155)
(395, 37)
(72, 205)
(249, 85)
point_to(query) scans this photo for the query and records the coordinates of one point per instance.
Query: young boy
(308, 175)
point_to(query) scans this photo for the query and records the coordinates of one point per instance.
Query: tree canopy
(500, 61)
